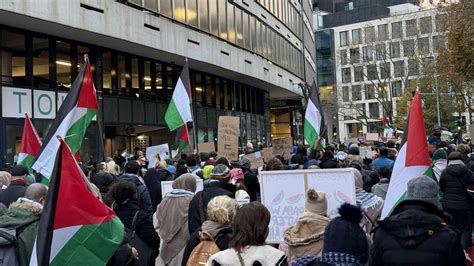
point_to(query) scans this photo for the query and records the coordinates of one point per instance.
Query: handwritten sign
(166, 186)
(267, 153)
(206, 147)
(228, 137)
(282, 146)
(163, 150)
(283, 193)
(372, 136)
(256, 159)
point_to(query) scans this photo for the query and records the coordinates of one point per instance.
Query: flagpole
(192, 113)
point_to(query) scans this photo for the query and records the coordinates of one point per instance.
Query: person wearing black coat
(454, 182)
(417, 233)
(153, 179)
(328, 161)
(17, 186)
(126, 205)
(131, 175)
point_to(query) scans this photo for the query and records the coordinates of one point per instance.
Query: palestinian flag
(387, 128)
(72, 120)
(30, 145)
(179, 109)
(413, 158)
(314, 124)
(75, 227)
(182, 139)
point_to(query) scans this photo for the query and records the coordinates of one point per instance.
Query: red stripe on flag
(87, 97)
(30, 141)
(417, 147)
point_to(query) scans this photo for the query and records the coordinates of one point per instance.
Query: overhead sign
(283, 147)
(163, 150)
(166, 186)
(283, 193)
(206, 147)
(228, 137)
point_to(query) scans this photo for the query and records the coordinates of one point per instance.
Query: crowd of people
(224, 223)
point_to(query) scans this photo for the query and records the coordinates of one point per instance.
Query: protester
(153, 178)
(192, 164)
(383, 160)
(247, 243)
(218, 185)
(206, 171)
(370, 204)
(251, 179)
(112, 168)
(345, 243)
(328, 161)
(132, 170)
(224, 161)
(218, 228)
(454, 182)
(307, 235)
(102, 180)
(5, 179)
(464, 150)
(274, 164)
(380, 189)
(23, 216)
(416, 232)
(171, 220)
(440, 162)
(181, 170)
(17, 186)
(126, 206)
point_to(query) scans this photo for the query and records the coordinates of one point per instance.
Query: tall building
(247, 59)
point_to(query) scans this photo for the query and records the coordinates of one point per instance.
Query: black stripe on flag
(313, 95)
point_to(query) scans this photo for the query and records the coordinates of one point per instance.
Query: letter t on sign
(19, 93)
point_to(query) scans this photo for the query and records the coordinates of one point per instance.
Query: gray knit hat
(424, 189)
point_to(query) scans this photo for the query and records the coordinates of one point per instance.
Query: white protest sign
(283, 194)
(372, 136)
(163, 150)
(166, 186)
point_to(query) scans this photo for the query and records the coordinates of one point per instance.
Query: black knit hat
(344, 235)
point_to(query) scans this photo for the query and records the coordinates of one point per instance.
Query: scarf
(368, 202)
(213, 228)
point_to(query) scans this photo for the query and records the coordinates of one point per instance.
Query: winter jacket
(306, 236)
(15, 190)
(327, 163)
(143, 224)
(251, 255)
(221, 240)
(382, 162)
(380, 189)
(153, 179)
(143, 194)
(470, 162)
(251, 183)
(454, 182)
(23, 217)
(416, 234)
(212, 189)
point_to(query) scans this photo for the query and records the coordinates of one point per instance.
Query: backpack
(8, 252)
(204, 250)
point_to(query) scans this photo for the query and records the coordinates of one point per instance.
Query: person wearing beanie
(345, 243)
(217, 185)
(206, 171)
(250, 179)
(307, 235)
(416, 232)
(454, 182)
(440, 161)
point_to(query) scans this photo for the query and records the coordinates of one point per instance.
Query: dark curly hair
(122, 191)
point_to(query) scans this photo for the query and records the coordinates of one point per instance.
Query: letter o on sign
(45, 106)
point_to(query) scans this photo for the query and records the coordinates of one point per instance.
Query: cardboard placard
(166, 187)
(282, 146)
(267, 153)
(228, 137)
(372, 136)
(256, 159)
(283, 193)
(206, 147)
(162, 149)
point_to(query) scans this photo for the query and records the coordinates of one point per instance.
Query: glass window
(230, 24)
(123, 75)
(13, 58)
(396, 30)
(374, 110)
(411, 29)
(166, 8)
(191, 13)
(395, 49)
(397, 88)
(151, 5)
(203, 15)
(439, 42)
(424, 46)
(409, 48)
(258, 41)
(380, 51)
(356, 93)
(210, 93)
(214, 17)
(253, 36)
(222, 19)
(343, 57)
(63, 65)
(428, 65)
(425, 25)
(372, 72)
(440, 21)
(135, 78)
(159, 81)
(355, 55)
(369, 34)
(343, 38)
(179, 11)
(239, 36)
(147, 80)
(356, 36)
(399, 68)
(358, 73)
(369, 91)
(368, 53)
(199, 88)
(413, 67)
(346, 75)
(107, 72)
(382, 32)
(345, 94)
(246, 30)
(385, 70)
(41, 63)
(81, 51)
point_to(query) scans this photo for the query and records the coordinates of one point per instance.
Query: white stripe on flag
(21, 157)
(181, 100)
(313, 116)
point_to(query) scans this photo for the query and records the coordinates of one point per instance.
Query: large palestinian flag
(179, 109)
(75, 227)
(314, 124)
(413, 158)
(71, 122)
(182, 139)
(30, 145)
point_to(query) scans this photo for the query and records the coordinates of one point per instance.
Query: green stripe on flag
(310, 133)
(93, 244)
(402, 198)
(28, 162)
(77, 131)
(173, 117)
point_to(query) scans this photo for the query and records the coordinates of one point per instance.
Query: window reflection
(179, 11)
(63, 65)
(107, 73)
(222, 19)
(13, 58)
(213, 15)
(191, 13)
(203, 15)
(41, 63)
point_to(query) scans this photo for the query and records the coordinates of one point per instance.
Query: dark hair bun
(350, 213)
